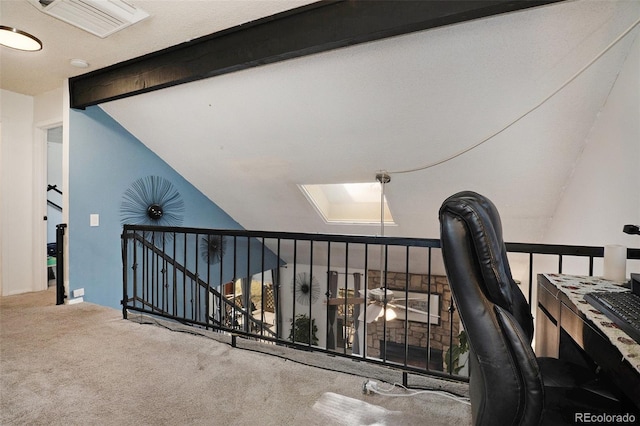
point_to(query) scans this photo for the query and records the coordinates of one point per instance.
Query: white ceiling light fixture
(99, 17)
(79, 63)
(18, 39)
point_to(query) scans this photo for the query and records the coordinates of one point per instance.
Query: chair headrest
(482, 221)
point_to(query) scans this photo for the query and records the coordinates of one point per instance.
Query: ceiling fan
(380, 300)
(376, 306)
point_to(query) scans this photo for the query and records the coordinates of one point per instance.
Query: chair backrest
(505, 383)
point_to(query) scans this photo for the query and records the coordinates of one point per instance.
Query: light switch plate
(94, 219)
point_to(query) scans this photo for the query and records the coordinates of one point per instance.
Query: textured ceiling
(171, 22)
(247, 139)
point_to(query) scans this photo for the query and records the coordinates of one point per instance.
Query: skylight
(348, 203)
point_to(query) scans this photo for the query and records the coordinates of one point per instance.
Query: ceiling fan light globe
(390, 314)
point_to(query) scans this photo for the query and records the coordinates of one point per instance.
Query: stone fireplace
(421, 336)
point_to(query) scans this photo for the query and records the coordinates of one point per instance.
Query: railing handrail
(535, 248)
(54, 188)
(361, 239)
(563, 249)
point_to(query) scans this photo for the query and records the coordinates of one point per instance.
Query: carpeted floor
(83, 364)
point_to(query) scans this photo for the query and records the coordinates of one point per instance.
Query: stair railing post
(60, 295)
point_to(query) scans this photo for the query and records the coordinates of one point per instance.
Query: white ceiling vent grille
(99, 17)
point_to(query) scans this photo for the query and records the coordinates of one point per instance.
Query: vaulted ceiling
(505, 92)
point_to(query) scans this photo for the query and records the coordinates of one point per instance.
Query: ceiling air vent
(99, 17)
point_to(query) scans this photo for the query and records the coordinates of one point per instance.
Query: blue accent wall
(104, 160)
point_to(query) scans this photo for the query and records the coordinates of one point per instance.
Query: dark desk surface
(620, 358)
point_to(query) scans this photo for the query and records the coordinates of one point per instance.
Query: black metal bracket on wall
(60, 295)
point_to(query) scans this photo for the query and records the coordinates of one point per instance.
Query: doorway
(54, 190)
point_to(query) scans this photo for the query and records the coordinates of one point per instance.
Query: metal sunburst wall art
(212, 248)
(152, 200)
(305, 288)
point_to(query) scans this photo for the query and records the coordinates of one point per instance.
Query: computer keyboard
(623, 308)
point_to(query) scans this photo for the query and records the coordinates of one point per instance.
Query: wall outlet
(79, 292)
(94, 219)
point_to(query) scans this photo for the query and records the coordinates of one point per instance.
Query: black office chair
(508, 385)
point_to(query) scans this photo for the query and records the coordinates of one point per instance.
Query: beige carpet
(83, 364)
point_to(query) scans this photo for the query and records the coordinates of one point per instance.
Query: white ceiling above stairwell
(249, 138)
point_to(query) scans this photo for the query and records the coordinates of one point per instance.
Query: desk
(563, 316)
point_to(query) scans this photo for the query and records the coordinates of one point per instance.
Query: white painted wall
(16, 182)
(603, 193)
(48, 108)
(22, 159)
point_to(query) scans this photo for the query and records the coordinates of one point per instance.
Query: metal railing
(60, 290)
(51, 203)
(316, 291)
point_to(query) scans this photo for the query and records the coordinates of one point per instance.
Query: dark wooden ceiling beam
(310, 29)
